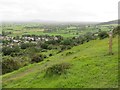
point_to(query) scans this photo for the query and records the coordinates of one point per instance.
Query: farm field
(63, 30)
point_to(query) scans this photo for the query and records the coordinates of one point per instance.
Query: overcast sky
(59, 10)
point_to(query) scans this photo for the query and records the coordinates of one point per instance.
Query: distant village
(11, 41)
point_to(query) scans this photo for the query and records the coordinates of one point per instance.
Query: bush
(44, 46)
(37, 58)
(79, 40)
(51, 42)
(116, 30)
(67, 42)
(103, 35)
(88, 36)
(10, 65)
(9, 50)
(26, 45)
(5, 42)
(57, 69)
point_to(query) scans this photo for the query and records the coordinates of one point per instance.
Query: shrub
(88, 36)
(10, 65)
(67, 42)
(9, 50)
(5, 42)
(57, 69)
(51, 42)
(26, 45)
(103, 35)
(37, 58)
(44, 46)
(116, 30)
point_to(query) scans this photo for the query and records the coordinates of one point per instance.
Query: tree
(9, 50)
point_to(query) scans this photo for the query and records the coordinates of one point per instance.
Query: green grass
(92, 67)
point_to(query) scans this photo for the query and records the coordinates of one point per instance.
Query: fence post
(110, 43)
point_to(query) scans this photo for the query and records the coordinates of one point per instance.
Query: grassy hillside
(91, 67)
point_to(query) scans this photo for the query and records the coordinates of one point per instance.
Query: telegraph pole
(110, 42)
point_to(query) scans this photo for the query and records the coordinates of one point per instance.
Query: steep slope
(91, 67)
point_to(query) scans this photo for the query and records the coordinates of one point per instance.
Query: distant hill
(109, 22)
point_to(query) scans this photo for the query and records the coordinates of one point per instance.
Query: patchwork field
(59, 29)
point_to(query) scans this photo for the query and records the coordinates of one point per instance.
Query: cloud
(59, 10)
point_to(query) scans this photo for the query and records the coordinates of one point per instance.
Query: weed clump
(58, 69)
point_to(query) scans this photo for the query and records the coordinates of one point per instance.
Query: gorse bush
(58, 69)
